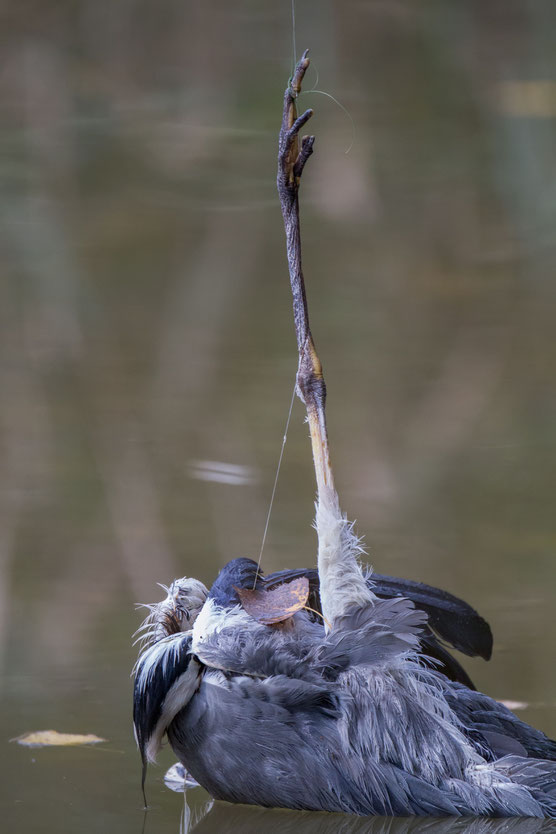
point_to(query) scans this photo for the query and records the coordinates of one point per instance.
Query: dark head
(239, 573)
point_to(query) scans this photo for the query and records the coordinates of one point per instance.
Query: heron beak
(143, 779)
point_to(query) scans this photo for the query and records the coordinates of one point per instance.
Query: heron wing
(373, 635)
(494, 729)
(251, 741)
(451, 618)
(433, 650)
(165, 679)
(260, 652)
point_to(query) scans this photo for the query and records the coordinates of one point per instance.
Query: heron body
(355, 720)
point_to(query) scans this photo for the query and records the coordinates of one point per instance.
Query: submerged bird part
(178, 779)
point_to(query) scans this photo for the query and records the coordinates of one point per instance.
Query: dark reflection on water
(241, 819)
(147, 351)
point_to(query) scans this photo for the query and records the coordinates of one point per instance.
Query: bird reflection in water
(210, 817)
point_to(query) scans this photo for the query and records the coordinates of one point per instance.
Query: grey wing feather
(493, 728)
(274, 760)
(254, 742)
(453, 619)
(370, 636)
(255, 653)
(165, 679)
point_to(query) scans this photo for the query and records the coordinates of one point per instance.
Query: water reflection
(145, 324)
(241, 819)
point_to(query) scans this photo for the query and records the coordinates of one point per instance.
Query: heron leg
(341, 582)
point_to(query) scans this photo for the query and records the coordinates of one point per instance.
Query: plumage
(449, 618)
(165, 678)
(350, 721)
(494, 728)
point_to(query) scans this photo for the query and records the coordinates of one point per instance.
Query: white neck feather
(342, 583)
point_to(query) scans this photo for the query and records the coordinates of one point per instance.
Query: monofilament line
(285, 437)
(293, 37)
(341, 106)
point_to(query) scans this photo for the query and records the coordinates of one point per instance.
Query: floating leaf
(530, 99)
(278, 604)
(52, 738)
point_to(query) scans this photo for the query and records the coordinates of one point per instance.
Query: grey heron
(347, 713)
(356, 720)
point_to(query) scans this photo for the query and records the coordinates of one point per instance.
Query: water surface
(146, 340)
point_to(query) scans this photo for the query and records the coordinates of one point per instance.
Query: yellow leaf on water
(52, 738)
(530, 99)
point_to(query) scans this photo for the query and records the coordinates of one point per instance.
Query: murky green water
(146, 340)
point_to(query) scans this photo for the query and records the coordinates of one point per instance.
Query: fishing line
(316, 84)
(341, 106)
(294, 46)
(314, 90)
(288, 420)
(284, 439)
